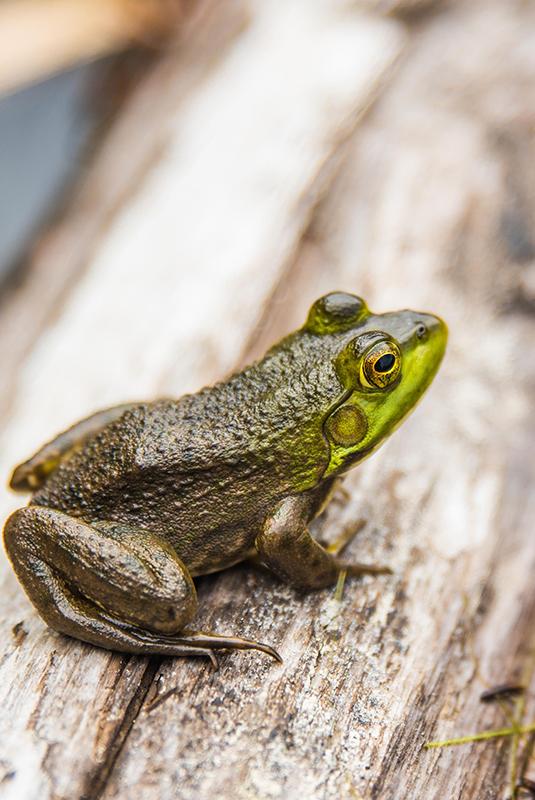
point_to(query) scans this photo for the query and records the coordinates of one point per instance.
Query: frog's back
(210, 462)
(93, 474)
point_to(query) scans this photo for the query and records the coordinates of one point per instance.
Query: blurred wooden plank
(122, 163)
(430, 209)
(401, 7)
(177, 273)
(40, 37)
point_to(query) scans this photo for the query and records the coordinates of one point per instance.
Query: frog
(132, 504)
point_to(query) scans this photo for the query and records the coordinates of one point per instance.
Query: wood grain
(167, 258)
(120, 166)
(430, 210)
(433, 208)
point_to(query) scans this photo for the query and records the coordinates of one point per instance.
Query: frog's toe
(355, 568)
(205, 641)
(218, 641)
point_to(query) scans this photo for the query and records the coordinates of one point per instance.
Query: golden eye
(381, 365)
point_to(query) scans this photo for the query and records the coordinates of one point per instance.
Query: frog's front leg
(109, 584)
(287, 548)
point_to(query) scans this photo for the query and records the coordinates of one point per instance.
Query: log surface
(217, 241)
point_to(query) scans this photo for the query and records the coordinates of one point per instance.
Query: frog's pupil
(385, 363)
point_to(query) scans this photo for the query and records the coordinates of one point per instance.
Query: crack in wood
(96, 782)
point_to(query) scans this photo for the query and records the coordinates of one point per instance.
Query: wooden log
(172, 271)
(125, 159)
(430, 211)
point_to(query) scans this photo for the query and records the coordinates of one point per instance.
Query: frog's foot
(355, 568)
(114, 586)
(344, 538)
(287, 548)
(201, 643)
(217, 641)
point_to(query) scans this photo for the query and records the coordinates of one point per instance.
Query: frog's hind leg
(31, 475)
(109, 584)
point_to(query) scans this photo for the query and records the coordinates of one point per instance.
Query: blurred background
(65, 69)
(179, 180)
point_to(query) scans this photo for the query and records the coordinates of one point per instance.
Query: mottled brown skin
(131, 503)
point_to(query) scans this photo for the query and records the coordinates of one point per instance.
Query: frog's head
(385, 362)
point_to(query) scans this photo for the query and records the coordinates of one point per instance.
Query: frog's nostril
(421, 330)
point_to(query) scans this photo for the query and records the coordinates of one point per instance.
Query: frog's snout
(432, 331)
(429, 323)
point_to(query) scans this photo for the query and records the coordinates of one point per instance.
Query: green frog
(131, 504)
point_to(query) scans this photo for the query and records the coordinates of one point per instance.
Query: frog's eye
(381, 365)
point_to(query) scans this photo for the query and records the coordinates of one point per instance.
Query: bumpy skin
(130, 503)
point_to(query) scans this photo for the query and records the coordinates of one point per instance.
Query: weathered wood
(124, 162)
(395, 6)
(434, 209)
(175, 267)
